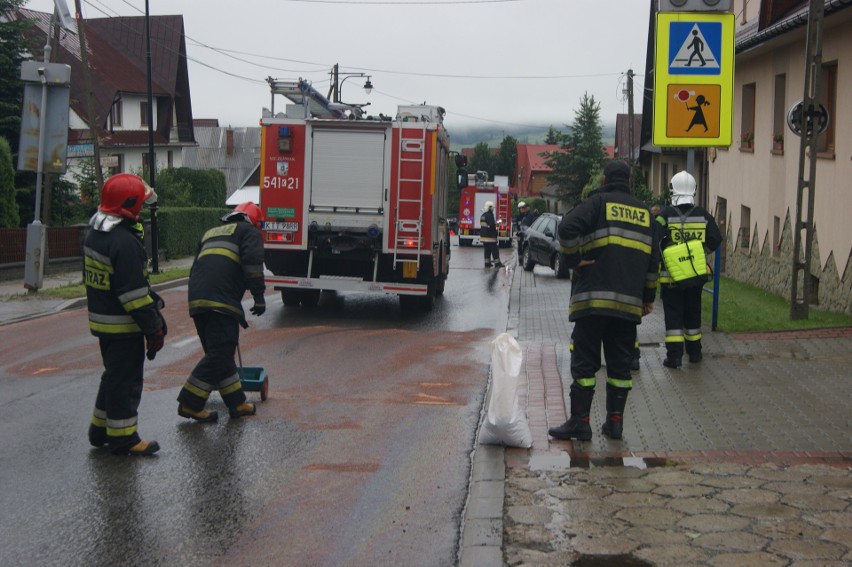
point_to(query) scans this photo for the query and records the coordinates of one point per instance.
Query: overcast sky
(496, 63)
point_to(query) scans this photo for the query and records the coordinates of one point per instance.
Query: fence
(62, 242)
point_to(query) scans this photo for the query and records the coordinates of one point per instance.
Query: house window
(744, 234)
(779, 114)
(721, 216)
(664, 179)
(115, 113)
(143, 113)
(747, 125)
(170, 160)
(828, 98)
(113, 164)
(146, 164)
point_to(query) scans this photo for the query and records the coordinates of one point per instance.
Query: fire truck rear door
(348, 169)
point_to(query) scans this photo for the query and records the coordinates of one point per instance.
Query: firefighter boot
(97, 435)
(244, 409)
(140, 449)
(202, 415)
(577, 427)
(616, 399)
(144, 449)
(674, 354)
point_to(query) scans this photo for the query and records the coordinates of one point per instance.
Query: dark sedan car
(540, 245)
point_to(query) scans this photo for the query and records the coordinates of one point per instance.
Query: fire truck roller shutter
(348, 169)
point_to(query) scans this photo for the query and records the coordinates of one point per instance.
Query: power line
(398, 3)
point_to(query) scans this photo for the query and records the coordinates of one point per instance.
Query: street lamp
(368, 86)
(336, 88)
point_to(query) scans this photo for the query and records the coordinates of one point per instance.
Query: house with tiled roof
(117, 60)
(624, 147)
(753, 185)
(530, 168)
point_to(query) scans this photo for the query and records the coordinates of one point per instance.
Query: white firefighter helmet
(488, 206)
(683, 189)
(522, 204)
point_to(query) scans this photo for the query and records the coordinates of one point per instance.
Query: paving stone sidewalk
(743, 460)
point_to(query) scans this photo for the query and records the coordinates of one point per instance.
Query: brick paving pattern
(742, 460)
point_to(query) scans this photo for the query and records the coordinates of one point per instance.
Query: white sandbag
(506, 422)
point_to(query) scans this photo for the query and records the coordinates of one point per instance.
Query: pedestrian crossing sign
(694, 79)
(695, 48)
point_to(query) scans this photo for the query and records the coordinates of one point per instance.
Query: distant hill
(465, 137)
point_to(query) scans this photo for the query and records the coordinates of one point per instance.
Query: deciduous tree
(9, 217)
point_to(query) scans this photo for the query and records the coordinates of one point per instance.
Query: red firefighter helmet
(124, 194)
(251, 211)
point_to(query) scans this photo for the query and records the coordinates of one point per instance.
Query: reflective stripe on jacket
(115, 272)
(614, 229)
(229, 261)
(487, 227)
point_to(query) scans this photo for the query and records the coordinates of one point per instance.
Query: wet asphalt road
(360, 456)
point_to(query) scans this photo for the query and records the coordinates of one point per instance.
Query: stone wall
(772, 270)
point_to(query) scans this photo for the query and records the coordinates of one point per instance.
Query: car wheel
(528, 261)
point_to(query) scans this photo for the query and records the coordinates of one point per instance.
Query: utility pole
(152, 158)
(800, 303)
(87, 80)
(630, 114)
(333, 92)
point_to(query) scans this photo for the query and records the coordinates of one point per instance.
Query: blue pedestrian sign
(695, 48)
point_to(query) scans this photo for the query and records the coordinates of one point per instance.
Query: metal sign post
(45, 113)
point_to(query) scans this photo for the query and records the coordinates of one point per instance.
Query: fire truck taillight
(279, 237)
(284, 139)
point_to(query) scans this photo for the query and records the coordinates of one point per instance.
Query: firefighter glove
(154, 342)
(259, 308)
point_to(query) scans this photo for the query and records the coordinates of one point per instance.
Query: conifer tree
(581, 153)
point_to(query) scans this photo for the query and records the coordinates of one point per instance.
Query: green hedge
(180, 229)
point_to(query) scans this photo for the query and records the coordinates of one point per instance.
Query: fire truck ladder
(410, 228)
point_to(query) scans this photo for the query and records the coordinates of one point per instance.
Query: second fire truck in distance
(472, 203)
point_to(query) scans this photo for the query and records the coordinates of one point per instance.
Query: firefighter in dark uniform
(682, 305)
(124, 313)
(488, 235)
(609, 239)
(229, 262)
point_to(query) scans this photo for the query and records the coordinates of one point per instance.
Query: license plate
(287, 226)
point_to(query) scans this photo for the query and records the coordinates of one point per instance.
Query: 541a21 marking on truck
(291, 183)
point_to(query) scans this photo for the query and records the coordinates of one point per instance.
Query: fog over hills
(468, 136)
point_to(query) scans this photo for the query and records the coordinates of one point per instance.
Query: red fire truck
(354, 203)
(472, 204)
